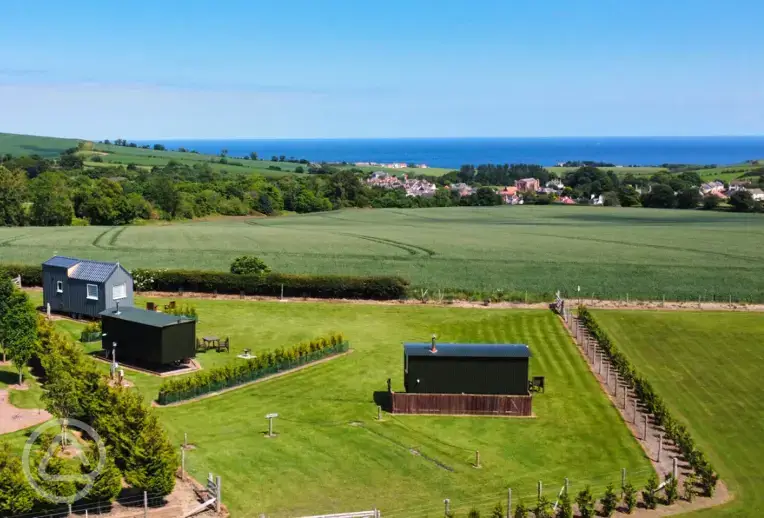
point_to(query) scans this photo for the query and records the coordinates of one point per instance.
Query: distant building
(555, 184)
(528, 184)
(757, 194)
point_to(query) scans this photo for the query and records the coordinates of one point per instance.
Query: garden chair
(224, 344)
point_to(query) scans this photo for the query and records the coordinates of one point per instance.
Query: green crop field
(707, 366)
(609, 252)
(621, 171)
(18, 145)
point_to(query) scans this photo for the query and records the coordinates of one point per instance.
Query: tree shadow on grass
(9, 378)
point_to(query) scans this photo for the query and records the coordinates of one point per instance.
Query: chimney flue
(433, 348)
(117, 311)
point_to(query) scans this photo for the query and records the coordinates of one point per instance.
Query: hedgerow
(653, 402)
(212, 380)
(318, 286)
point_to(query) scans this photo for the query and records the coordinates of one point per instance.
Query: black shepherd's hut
(146, 337)
(451, 368)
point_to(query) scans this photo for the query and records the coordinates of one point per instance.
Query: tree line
(137, 448)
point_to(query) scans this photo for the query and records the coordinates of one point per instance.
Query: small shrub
(609, 501)
(520, 511)
(474, 513)
(498, 511)
(543, 508)
(689, 488)
(249, 265)
(565, 507)
(585, 502)
(648, 495)
(671, 489)
(629, 497)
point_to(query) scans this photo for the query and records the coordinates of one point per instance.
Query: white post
(185, 439)
(447, 503)
(675, 469)
(645, 436)
(48, 309)
(182, 463)
(145, 504)
(217, 494)
(660, 446)
(379, 413)
(567, 485)
(540, 491)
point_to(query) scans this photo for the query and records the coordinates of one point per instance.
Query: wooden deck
(461, 404)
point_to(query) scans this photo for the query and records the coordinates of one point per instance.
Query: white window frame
(123, 293)
(59, 286)
(87, 291)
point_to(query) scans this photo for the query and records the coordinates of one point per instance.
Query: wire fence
(126, 507)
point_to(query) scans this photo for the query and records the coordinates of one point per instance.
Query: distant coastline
(454, 152)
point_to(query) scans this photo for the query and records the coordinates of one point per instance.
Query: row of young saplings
(654, 404)
(586, 505)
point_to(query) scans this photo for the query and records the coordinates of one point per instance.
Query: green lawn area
(49, 147)
(707, 366)
(609, 252)
(29, 398)
(331, 454)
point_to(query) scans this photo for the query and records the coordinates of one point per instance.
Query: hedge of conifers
(317, 286)
(213, 380)
(654, 403)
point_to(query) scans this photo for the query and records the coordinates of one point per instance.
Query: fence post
(477, 459)
(625, 393)
(645, 436)
(567, 485)
(145, 504)
(634, 419)
(540, 491)
(623, 477)
(675, 469)
(509, 502)
(660, 446)
(217, 494)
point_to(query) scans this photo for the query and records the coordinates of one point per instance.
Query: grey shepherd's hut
(82, 287)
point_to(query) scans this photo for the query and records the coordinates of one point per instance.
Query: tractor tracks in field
(409, 248)
(113, 234)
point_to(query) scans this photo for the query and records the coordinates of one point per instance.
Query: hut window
(59, 287)
(92, 291)
(119, 292)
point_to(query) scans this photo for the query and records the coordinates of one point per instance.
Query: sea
(454, 152)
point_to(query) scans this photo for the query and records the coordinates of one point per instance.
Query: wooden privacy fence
(461, 404)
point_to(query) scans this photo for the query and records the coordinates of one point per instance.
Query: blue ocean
(453, 152)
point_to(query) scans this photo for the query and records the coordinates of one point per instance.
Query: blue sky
(324, 68)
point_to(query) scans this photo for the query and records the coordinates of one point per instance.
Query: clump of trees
(249, 265)
(137, 448)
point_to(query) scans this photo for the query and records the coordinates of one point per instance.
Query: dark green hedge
(653, 402)
(213, 380)
(318, 286)
(30, 275)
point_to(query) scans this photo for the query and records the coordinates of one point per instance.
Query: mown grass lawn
(332, 455)
(708, 367)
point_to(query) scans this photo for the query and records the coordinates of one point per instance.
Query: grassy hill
(31, 144)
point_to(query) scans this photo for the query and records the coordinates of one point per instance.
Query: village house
(528, 184)
(757, 194)
(462, 188)
(712, 187)
(412, 187)
(509, 196)
(555, 184)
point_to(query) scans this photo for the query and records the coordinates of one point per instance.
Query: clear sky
(394, 68)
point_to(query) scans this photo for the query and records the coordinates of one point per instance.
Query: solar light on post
(379, 413)
(270, 418)
(477, 459)
(447, 503)
(113, 358)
